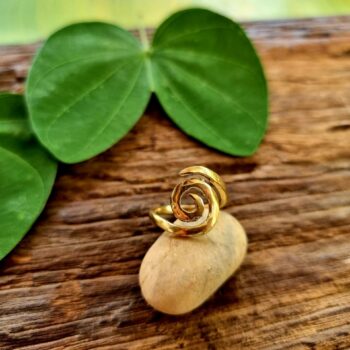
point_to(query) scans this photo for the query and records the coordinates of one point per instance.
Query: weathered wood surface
(72, 283)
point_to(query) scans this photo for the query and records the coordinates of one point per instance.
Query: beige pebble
(178, 274)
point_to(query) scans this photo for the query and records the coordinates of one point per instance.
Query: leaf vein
(65, 63)
(110, 119)
(177, 37)
(221, 94)
(193, 113)
(82, 96)
(188, 53)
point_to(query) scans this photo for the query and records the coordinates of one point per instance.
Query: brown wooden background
(72, 283)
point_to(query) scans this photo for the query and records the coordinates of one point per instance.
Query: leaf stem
(144, 39)
(147, 52)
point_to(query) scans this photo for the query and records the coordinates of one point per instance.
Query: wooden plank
(72, 283)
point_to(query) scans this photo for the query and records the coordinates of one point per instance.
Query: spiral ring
(207, 191)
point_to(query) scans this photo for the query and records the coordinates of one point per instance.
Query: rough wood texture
(72, 283)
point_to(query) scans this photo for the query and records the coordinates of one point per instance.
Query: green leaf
(87, 87)
(27, 173)
(91, 82)
(209, 80)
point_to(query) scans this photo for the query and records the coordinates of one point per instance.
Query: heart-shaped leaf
(209, 79)
(91, 82)
(87, 87)
(27, 173)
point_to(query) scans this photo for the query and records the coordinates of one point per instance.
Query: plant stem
(144, 39)
(148, 52)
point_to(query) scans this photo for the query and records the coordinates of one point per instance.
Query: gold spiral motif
(208, 193)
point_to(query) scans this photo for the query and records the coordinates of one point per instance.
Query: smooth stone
(178, 274)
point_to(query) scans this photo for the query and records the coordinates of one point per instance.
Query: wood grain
(72, 282)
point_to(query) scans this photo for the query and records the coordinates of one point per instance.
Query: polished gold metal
(208, 192)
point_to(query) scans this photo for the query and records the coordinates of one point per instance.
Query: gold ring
(206, 189)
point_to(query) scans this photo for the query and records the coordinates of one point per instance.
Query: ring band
(208, 192)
